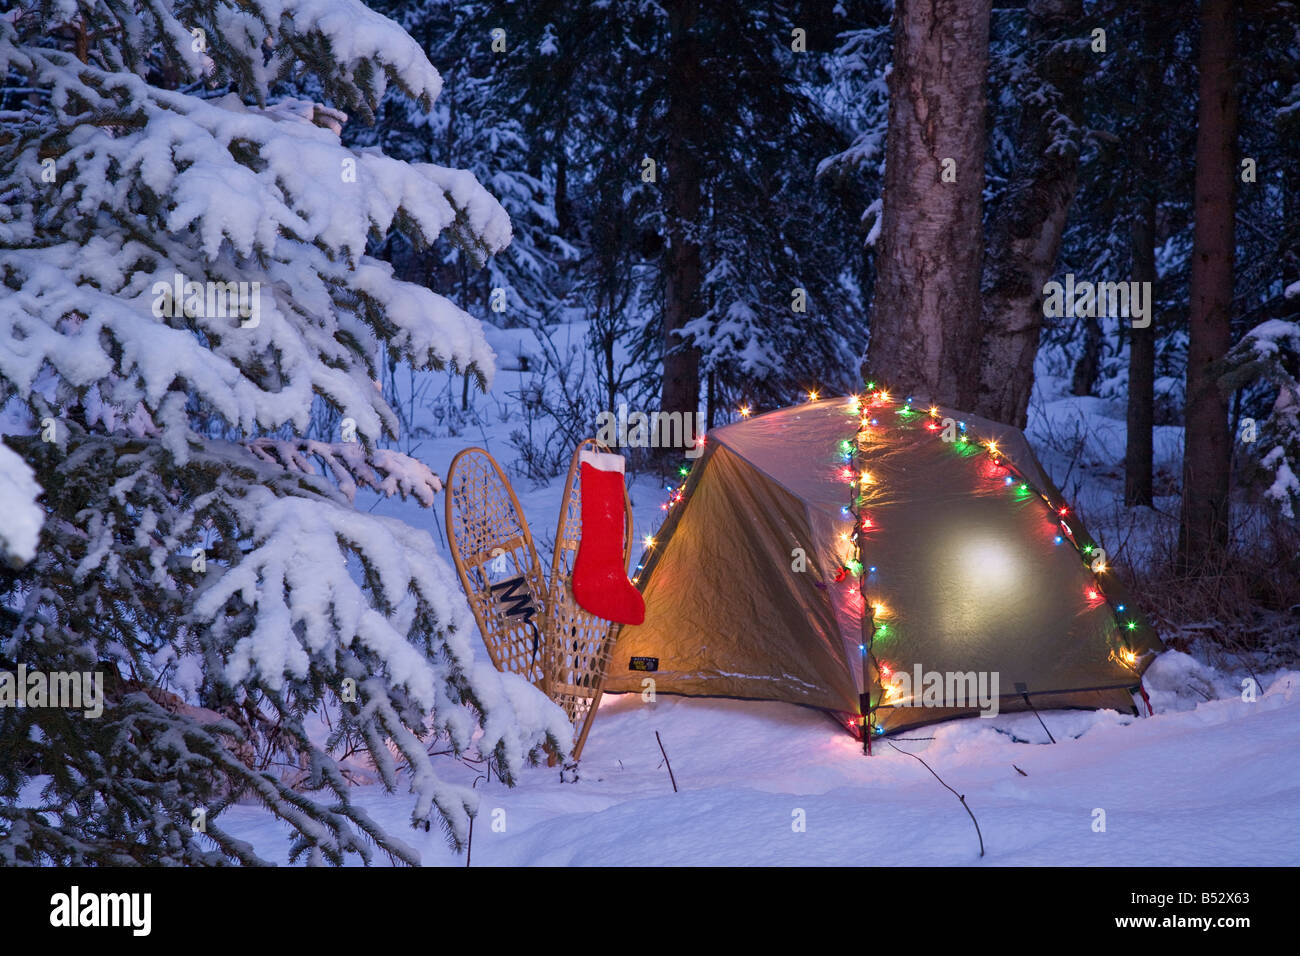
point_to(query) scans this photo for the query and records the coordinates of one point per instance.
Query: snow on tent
(967, 565)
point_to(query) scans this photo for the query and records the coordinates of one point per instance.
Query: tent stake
(670, 766)
(1024, 692)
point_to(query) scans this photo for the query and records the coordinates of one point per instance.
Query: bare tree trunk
(711, 401)
(1139, 451)
(1025, 235)
(683, 273)
(1207, 455)
(1089, 364)
(924, 328)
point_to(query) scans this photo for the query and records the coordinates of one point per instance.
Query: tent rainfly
(889, 563)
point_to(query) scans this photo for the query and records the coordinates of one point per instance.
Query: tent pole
(864, 699)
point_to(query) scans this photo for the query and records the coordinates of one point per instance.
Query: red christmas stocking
(600, 583)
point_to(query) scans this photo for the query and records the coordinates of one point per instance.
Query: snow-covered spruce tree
(478, 125)
(195, 551)
(1267, 360)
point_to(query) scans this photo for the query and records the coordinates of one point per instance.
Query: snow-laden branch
(22, 515)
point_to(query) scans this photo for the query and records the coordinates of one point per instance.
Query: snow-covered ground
(1211, 779)
(1201, 783)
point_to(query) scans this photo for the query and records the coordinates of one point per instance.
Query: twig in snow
(959, 796)
(469, 842)
(1019, 771)
(1245, 663)
(670, 766)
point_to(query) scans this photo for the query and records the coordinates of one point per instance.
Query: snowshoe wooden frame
(579, 644)
(497, 564)
(530, 628)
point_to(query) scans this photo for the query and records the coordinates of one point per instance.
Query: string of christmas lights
(851, 454)
(1061, 515)
(675, 495)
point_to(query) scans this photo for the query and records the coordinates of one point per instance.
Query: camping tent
(966, 565)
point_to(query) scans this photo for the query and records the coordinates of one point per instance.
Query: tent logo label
(643, 664)
(922, 688)
(656, 430)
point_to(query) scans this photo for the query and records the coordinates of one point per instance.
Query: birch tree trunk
(924, 320)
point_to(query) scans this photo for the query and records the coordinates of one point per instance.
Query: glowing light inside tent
(989, 570)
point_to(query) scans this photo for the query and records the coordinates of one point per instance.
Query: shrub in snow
(185, 271)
